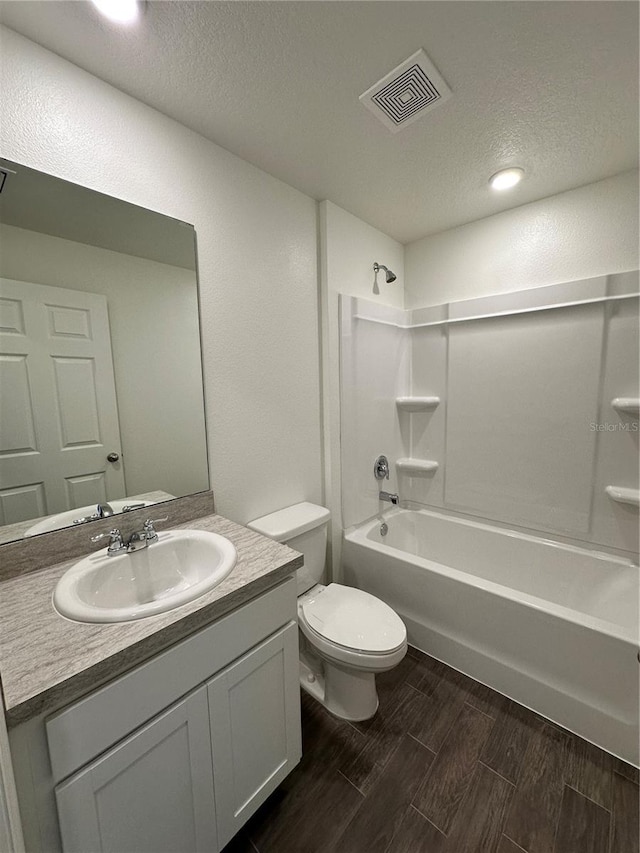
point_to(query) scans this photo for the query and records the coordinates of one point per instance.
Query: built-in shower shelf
(415, 467)
(629, 405)
(416, 404)
(624, 496)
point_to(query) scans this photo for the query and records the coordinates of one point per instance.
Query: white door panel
(18, 428)
(58, 418)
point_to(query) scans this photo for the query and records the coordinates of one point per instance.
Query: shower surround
(502, 421)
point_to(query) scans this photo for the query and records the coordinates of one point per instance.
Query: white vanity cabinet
(178, 753)
(153, 793)
(254, 707)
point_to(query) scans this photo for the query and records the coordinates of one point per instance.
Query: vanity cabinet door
(151, 794)
(255, 728)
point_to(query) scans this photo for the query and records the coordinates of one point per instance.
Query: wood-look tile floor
(445, 766)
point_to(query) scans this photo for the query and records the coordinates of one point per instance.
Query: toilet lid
(354, 619)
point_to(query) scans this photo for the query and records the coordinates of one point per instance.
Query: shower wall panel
(522, 392)
(525, 432)
(374, 370)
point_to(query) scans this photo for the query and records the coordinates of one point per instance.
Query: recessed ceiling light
(506, 178)
(119, 11)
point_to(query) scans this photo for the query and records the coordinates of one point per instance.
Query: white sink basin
(180, 566)
(66, 519)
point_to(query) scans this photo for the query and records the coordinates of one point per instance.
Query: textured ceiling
(550, 86)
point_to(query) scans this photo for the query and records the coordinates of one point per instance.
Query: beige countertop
(47, 660)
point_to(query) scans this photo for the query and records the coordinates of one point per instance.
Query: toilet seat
(342, 620)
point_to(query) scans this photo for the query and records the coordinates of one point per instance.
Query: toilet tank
(302, 527)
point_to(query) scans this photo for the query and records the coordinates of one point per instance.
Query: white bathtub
(553, 626)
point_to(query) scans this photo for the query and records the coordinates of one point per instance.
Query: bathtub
(553, 626)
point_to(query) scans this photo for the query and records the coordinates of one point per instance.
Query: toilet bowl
(353, 635)
(346, 635)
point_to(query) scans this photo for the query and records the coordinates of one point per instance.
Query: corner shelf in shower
(416, 404)
(415, 467)
(624, 496)
(628, 405)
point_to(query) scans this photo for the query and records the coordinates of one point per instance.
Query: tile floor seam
(509, 838)
(415, 689)
(417, 740)
(381, 764)
(448, 732)
(353, 785)
(591, 800)
(423, 745)
(525, 752)
(555, 834)
(480, 711)
(424, 779)
(499, 775)
(626, 778)
(612, 824)
(411, 805)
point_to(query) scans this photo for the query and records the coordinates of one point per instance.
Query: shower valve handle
(381, 468)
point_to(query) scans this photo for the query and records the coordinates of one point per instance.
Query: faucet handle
(148, 525)
(149, 530)
(115, 540)
(381, 468)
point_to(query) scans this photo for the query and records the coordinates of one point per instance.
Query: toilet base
(346, 693)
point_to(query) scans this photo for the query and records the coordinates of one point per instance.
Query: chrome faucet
(116, 544)
(391, 498)
(143, 538)
(102, 511)
(138, 539)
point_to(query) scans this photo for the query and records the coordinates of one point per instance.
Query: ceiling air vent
(407, 92)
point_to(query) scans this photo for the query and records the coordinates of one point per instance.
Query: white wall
(348, 249)
(257, 254)
(579, 234)
(351, 247)
(159, 388)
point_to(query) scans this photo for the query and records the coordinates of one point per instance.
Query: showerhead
(390, 276)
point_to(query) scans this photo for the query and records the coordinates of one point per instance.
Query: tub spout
(387, 496)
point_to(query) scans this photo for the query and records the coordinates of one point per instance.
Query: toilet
(346, 635)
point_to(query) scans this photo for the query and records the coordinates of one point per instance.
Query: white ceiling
(550, 86)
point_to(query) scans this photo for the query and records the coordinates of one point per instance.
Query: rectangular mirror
(101, 393)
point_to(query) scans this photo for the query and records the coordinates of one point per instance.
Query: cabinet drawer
(84, 730)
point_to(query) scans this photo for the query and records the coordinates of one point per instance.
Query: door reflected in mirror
(101, 395)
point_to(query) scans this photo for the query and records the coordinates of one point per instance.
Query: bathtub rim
(547, 537)
(357, 534)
